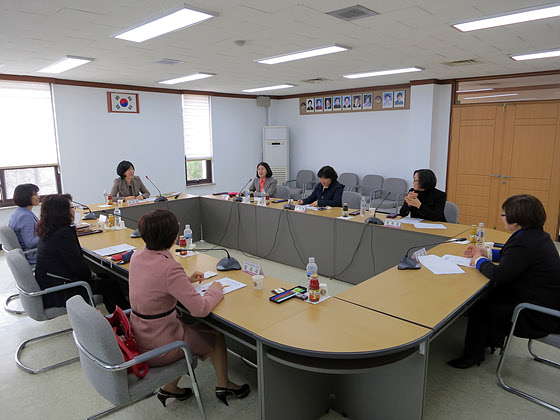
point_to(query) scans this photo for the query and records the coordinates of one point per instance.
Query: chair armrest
(291, 180)
(354, 188)
(533, 307)
(400, 195)
(374, 194)
(30, 250)
(53, 289)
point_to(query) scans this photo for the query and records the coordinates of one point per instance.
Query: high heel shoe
(163, 395)
(465, 362)
(222, 393)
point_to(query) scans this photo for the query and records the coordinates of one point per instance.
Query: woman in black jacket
(424, 200)
(528, 271)
(59, 253)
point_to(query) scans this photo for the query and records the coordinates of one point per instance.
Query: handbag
(123, 333)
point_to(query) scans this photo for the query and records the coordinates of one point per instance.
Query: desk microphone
(160, 197)
(88, 216)
(238, 198)
(376, 220)
(408, 263)
(136, 233)
(226, 263)
(289, 205)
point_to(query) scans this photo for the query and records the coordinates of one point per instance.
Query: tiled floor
(64, 393)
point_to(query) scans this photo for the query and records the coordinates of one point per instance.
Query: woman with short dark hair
(327, 192)
(157, 284)
(127, 185)
(23, 221)
(528, 270)
(424, 200)
(59, 253)
(264, 180)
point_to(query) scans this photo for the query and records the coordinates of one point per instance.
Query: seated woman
(23, 221)
(328, 192)
(59, 253)
(528, 271)
(157, 283)
(264, 180)
(424, 200)
(127, 185)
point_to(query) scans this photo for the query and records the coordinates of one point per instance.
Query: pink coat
(156, 283)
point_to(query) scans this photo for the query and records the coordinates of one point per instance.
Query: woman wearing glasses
(59, 254)
(424, 200)
(23, 221)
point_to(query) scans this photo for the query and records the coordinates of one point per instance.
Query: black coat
(433, 204)
(528, 271)
(330, 196)
(61, 254)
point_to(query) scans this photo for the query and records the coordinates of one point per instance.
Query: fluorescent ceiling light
(510, 19)
(492, 96)
(381, 73)
(177, 20)
(67, 63)
(534, 56)
(188, 78)
(299, 55)
(474, 90)
(286, 86)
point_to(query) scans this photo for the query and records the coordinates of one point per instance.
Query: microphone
(289, 205)
(136, 233)
(225, 264)
(88, 216)
(238, 198)
(377, 220)
(408, 263)
(160, 197)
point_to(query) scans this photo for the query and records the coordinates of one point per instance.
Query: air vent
(352, 13)
(459, 63)
(168, 62)
(316, 80)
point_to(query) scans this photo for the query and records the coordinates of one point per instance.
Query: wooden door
(501, 150)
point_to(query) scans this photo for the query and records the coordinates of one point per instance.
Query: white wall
(389, 143)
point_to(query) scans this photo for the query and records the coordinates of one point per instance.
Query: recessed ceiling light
(381, 73)
(67, 63)
(533, 56)
(169, 23)
(188, 78)
(286, 86)
(509, 19)
(492, 96)
(299, 55)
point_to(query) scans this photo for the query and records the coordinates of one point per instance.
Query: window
(29, 153)
(198, 139)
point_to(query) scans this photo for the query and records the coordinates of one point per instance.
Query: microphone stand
(225, 264)
(88, 216)
(409, 263)
(376, 220)
(160, 197)
(238, 197)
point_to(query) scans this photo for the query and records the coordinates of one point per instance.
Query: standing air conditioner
(276, 151)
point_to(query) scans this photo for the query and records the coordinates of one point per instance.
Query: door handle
(506, 176)
(495, 176)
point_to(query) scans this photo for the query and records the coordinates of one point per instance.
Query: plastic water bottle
(105, 194)
(117, 213)
(480, 234)
(188, 236)
(311, 269)
(363, 207)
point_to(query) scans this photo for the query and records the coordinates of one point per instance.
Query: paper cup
(323, 290)
(258, 282)
(120, 202)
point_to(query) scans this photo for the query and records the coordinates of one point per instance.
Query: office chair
(304, 179)
(451, 212)
(349, 180)
(104, 366)
(9, 241)
(370, 183)
(551, 339)
(353, 199)
(394, 189)
(31, 297)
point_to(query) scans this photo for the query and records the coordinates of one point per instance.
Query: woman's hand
(197, 276)
(474, 249)
(300, 202)
(315, 204)
(129, 197)
(139, 197)
(412, 199)
(217, 285)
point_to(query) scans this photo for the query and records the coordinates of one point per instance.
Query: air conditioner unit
(276, 151)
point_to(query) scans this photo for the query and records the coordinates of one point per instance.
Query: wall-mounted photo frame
(399, 98)
(387, 99)
(346, 103)
(121, 102)
(356, 102)
(327, 104)
(309, 107)
(318, 104)
(367, 101)
(337, 103)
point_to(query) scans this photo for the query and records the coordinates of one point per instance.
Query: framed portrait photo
(126, 103)
(387, 99)
(318, 104)
(346, 103)
(327, 104)
(356, 102)
(309, 107)
(367, 104)
(399, 98)
(337, 103)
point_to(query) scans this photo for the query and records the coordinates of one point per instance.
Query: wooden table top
(102, 206)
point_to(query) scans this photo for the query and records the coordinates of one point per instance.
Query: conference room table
(363, 352)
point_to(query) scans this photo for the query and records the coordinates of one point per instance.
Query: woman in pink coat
(157, 282)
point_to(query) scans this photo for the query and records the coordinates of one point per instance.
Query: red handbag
(127, 344)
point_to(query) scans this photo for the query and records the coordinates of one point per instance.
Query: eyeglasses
(72, 207)
(503, 215)
(415, 180)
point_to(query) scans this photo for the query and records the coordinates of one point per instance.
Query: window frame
(8, 202)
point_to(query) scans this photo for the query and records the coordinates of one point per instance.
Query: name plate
(393, 223)
(252, 269)
(225, 197)
(132, 202)
(301, 209)
(419, 253)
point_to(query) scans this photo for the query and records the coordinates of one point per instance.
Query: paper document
(429, 226)
(438, 265)
(230, 285)
(112, 250)
(345, 218)
(455, 259)
(410, 220)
